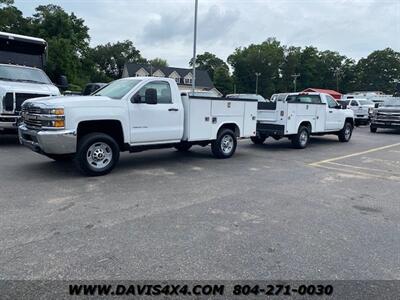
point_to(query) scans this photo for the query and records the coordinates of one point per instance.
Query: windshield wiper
(29, 80)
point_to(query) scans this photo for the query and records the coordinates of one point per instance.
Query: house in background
(336, 95)
(183, 77)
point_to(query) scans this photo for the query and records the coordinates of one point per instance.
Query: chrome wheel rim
(303, 137)
(99, 155)
(347, 132)
(227, 144)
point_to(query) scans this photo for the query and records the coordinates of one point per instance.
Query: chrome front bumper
(8, 121)
(48, 141)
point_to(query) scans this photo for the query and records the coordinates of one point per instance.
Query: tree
(158, 62)
(266, 58)
(109, 59)
(12, 19)
(223, 81)
(379, 70)
(209, 62)
(68, 40)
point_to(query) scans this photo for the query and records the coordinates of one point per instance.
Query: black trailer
(22, 50)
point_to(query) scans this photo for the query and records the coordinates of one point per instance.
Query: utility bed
(204, 116)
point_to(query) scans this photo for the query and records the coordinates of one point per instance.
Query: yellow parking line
(358, 173)
(362, 168)
(354, 154)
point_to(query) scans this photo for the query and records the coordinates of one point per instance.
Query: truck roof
(24, 38)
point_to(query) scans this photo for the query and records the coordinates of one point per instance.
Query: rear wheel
(346, 133)
(258, 140)
(225, 144)
(301, 139)
(97, 154)
(373, 129)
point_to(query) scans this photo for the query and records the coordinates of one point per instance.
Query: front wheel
(301, 139)
(258, 140)
(97, 154)
(225, 144)
(346, 133)
(373, 129)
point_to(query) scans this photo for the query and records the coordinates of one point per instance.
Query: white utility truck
(363, 109)
(300, 115)
(22, 59)
(133, 114)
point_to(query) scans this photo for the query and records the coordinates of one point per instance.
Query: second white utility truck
(300, 115)
(133, 114)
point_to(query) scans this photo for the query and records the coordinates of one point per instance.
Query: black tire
(89, 162)
(183, 147)
(225, 144)
(302, 138)
(346, 133)
(373, 129)
(258, 140)
(60, 157)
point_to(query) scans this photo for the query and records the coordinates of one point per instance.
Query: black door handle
(173, 109)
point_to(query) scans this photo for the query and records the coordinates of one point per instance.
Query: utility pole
(194, 46)
(337, 75)
(295, 76)
(257, 75)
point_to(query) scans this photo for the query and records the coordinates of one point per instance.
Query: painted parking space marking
(336, 164)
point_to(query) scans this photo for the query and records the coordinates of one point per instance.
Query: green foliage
(209, 62)
(223, 81)
(108, 60)
(158, 62)
(11, 18)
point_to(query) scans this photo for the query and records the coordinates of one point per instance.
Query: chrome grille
(30, 117)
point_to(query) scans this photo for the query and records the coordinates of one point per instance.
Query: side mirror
(136, 99)
(62, 82)
(151, 96)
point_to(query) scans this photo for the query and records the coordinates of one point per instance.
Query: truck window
(307, 99)
(23, 74)
(354, 103)
(163, 89)
(331, 102)
(117, 89)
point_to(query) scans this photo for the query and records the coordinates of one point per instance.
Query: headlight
(53, 111)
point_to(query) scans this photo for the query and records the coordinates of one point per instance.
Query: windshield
(13, 73)
(366, 102)
(117, 89)
(391, 103)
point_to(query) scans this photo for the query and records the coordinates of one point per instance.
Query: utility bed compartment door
(198, 125)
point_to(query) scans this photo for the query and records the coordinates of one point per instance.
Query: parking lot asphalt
(331, 211)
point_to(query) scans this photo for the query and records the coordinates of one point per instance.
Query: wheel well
(231, 126)
(349, 120)
(307, 124)
(111, 127)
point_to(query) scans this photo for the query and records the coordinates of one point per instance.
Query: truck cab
(22, 60)
(300, 115)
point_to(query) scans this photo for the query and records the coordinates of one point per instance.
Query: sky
(164, 28)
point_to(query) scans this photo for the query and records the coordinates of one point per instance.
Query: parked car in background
(133, 114)
(22, 60)
(297, 116)
(362, 108)
(386, 116)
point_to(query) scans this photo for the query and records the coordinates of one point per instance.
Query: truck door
(156, 123)
(334, 116)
